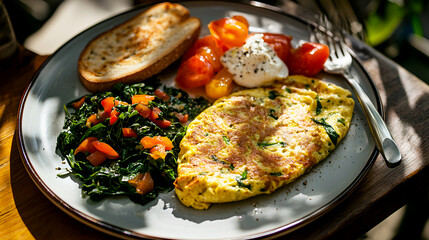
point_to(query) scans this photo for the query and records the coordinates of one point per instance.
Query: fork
(339, 62)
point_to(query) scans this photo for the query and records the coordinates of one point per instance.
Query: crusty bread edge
(139, 76)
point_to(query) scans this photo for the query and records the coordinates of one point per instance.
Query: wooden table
(25, 213)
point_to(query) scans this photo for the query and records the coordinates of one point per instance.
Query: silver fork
(339, 62)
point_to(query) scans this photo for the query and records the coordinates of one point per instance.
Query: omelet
(254, 141)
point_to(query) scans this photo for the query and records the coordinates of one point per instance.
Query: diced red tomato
(182, 118)
(128, 132)
(94, 119)
(149, 142)
(86, 146)
(78, 104)
(154, 117)
(117, 102)
(194, 72)
(143, 183)
(158, 151)
(108, 103)
(113, 116)
(106, 149)
(308, 59)
(143, 110)
(230, 32)
(162, 95)
(142, 98)
(280, 43)
(96, 158)
(221, 85)
(165, 141)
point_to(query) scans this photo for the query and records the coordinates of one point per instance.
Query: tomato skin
(78, 104)
(128, 132)
(113, 117)
(230, 32)
(162, 95)
(96, 158)
(221, 85)
(280, 43)
(158, 151)
(207, 41)
(194, 72)
(108, 103)
(182, 118)
(143, 110)
(142, 98)
(86, 145)
(106, 149)
(308, 59)
(143, 183)
(149, 142)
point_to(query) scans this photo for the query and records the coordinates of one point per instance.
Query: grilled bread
(139, 48)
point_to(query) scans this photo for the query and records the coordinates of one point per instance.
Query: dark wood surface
(25, 213)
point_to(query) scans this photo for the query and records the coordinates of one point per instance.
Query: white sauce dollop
(254, 64)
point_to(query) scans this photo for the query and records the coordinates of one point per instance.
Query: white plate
(41, 117)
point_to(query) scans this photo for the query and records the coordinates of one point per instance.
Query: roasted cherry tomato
(207, 41)
(280, 43)
(194, 72)
(308, 59)
(221, 85)
(230, 32)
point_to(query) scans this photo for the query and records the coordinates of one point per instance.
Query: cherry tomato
(230, 32)
(241, 19)
(207, 41)
(194, 72)
(106, 149)
(221, 85)
(308, 59)
(280, 43)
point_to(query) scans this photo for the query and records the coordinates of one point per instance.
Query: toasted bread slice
(139, 48)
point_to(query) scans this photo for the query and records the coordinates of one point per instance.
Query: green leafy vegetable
(333, 135)
(111, 177)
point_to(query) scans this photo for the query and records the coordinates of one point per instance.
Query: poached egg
(254, 64)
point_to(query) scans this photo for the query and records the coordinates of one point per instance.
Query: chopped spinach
(333, 135)
(318, 106)
(111, 177)
(267, 144)
(273, 94)
(240, 179)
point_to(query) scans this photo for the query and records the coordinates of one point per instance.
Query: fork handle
(383, 139)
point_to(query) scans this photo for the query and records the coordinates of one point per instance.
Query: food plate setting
(41, 119)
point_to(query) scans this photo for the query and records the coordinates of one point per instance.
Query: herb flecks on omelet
(257, 140)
